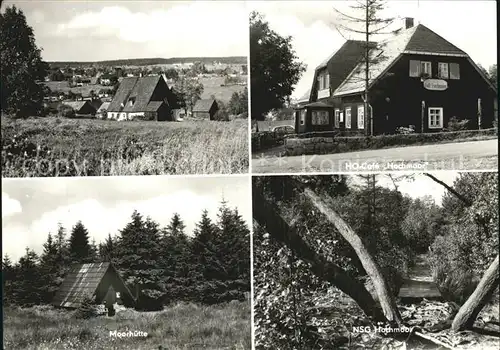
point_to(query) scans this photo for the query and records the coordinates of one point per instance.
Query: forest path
(420, 283)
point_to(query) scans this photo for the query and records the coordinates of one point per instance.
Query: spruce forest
(166, 264)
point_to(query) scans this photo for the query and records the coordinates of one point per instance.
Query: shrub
(66, 111)
(331, 143)
(88, 309)
(405, 130)
(455, 124)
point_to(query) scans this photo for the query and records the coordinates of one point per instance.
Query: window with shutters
(443, 70)
(414, 68)
(348, 117)
(435, 117)
(361, 117)
(454, 71)
(337, 118)
(319, 118)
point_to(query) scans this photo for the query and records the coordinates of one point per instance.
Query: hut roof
(203, 105)
(81, 282)
(76, 105)
(104, 106)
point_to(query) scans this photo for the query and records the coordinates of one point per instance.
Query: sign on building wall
(435, 84)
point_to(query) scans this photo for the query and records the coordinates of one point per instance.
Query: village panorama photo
(373, 85)
(129, 262)
(101, 88)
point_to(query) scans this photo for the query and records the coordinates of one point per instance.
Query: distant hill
(152, 61)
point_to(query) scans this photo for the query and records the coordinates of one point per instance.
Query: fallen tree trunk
(467, 314)
(371, 267)
(267, 215)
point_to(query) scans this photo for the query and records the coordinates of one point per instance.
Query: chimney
(408, 22)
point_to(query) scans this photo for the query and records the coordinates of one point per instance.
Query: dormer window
(131, 101)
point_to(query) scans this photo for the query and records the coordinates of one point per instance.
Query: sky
(420, 185)
(31, 208)
(108, 30)
(469, 25)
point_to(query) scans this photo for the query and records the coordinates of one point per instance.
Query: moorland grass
(181, 326)
(87, 147)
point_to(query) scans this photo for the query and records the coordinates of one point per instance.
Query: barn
(83, 109)
(418, 80)
(98, 280)
(205, 109)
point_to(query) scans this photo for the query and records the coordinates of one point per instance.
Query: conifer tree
(107, 249)
(137, 258)
(50, 269)
(234, 249)
(79, 246)
(8, 275)
(63, 256)
(26, 286)
(204, 249)
(175, 258)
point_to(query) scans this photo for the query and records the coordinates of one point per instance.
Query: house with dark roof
(205, 109)
(83, 109)
(100, 281)
(417, 79)
(146, 98)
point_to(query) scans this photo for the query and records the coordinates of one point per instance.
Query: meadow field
(183, 326)
(55, 146)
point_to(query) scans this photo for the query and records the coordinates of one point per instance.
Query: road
(473, 155)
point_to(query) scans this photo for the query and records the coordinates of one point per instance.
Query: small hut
(205, 109)
(100, 281)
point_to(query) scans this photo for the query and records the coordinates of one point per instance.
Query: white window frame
(443, 73)
(336, 120)
(430, 113)
(423, 68)
(361, 117)
(348, 117)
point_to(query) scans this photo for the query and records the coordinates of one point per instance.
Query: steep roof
(104, 106)
(138, 89)
(81, 281)
(203, 105)
(121, 95)
(343, 62)
(153, 106)
(418, 39)
(76, 105)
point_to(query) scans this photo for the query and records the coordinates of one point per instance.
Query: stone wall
(338, 144)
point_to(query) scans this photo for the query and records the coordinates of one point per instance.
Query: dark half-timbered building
(417, 80)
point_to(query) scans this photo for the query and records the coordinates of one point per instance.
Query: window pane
(414, 68)
(454, 71)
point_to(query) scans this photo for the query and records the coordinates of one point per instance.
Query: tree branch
(267, 216)
(450, 189)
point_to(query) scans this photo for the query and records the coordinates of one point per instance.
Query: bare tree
(468, 312)
(366, 21)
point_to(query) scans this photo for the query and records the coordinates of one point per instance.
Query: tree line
(160, 265)
(315, 233)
